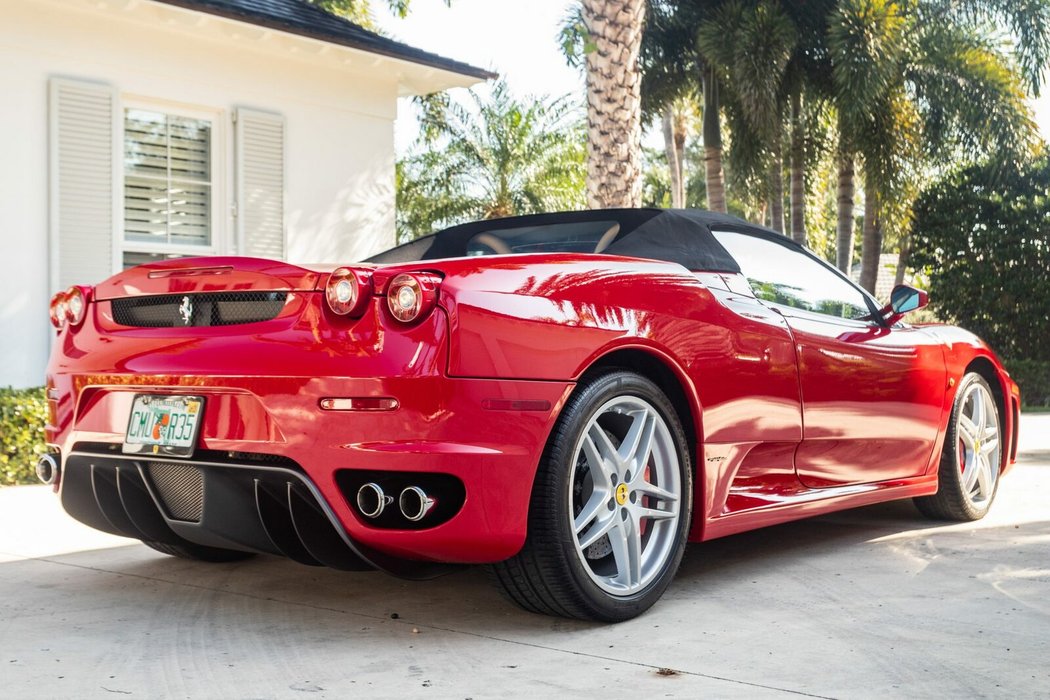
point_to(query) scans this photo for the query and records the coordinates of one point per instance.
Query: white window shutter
(83, 155)
(260, 183)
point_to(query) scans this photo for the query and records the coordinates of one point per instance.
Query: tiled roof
(301, 18)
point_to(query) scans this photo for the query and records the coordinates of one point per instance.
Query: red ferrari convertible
(567, 397)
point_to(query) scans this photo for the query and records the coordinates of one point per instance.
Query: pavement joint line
(403, 621)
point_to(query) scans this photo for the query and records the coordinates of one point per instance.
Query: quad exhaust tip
(415, 503)
(47, 469)
(372, 501)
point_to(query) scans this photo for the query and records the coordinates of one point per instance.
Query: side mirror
(903, 299)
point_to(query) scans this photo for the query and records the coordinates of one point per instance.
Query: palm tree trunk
(614, 116)
(798, 171)
(712, 133)
(847, 188)
(673, 163)
(679, 148)
(902, 260)
(871, 245)
(776, 183)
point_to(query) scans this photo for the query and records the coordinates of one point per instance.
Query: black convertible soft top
(680, 236)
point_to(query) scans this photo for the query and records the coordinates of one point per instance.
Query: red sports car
(567, 397)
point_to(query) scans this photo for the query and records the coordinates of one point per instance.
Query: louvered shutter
(83, 151)
(260, 183)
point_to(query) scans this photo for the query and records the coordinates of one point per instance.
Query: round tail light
(76, 306)
(347, 291)
(58, 310)
(411, 297)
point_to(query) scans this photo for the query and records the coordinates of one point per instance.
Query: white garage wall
(338, 109)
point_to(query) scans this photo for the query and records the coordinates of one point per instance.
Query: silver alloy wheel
(979, 445)
(625, 495)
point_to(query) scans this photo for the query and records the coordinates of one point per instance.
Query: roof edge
(376, 43)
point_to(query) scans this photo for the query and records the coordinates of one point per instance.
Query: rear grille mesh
(206, 309)
(181, 488)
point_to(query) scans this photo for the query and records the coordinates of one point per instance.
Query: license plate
(163, 425)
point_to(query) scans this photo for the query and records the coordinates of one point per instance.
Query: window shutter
(260, 183)
(83, 150)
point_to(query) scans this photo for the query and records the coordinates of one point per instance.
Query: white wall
(339, 110)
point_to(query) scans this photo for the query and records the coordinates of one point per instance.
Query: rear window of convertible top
(566, 237)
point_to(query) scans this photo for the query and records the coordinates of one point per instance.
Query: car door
(872, 394)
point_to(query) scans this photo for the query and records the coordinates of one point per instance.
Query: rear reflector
(367, 403)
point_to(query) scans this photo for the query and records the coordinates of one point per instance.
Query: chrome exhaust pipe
(372, 500)
(415, 503)
(47, 469)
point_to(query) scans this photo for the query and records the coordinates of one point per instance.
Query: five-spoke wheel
(625, 495)
(610, 505)
(970, 464)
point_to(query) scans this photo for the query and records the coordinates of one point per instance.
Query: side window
(786, 276)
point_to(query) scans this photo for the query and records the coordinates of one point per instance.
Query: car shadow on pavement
(135, 575)
(1034, 458)
(809, 537)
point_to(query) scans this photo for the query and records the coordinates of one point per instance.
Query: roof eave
(454, 73)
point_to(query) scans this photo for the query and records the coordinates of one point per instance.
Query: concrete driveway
(874, 602)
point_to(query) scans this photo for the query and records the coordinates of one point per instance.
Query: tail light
(410, 297)
(348, 291)
(68, 307)
(58, 310)
(76, 306)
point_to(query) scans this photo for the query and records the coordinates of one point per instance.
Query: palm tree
(867, 41)
(918, 85)
(712, 135)
(676, 123)
(614, 108)
(501, 157)
(807, 84)
(675, 69)
(749, 47)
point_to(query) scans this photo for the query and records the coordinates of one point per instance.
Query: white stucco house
(138, 129)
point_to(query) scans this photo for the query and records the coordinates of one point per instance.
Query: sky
(518, 40)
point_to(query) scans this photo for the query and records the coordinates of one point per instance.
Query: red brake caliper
(644, 524)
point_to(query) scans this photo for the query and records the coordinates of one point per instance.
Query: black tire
(953, 501)
(198, 552)
(548, 575)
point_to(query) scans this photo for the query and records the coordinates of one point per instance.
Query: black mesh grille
(208, 309)
(181, 487)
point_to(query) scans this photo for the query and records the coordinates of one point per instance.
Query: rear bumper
(242, 506)
(442, 426)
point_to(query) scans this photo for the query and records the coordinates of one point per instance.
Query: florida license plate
(164, 425)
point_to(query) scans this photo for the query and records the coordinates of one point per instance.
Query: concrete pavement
(873, 602)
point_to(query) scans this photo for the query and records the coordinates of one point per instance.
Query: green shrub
(23, 413)
(1033, 376)
(982, 235)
